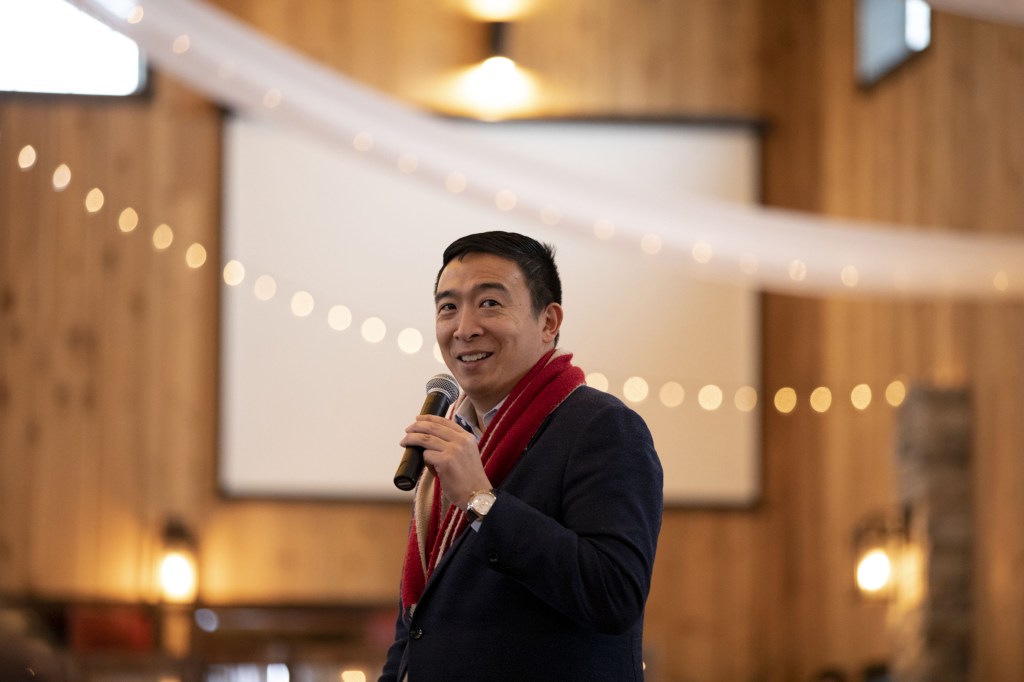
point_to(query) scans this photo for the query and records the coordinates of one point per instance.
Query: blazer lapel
(443, 562)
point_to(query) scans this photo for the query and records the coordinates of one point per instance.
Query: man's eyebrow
(483, 286)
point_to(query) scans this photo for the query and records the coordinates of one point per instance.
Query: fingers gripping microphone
(442, 391)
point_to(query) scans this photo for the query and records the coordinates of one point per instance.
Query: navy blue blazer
(552, 585)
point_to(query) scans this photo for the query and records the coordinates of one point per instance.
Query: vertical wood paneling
(935, 145)
(98, 327)
(998, 367)
(657, 56)
(397, 46)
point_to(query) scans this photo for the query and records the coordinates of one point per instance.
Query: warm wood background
(108, 349)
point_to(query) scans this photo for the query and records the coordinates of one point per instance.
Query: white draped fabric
(771, 249)
(1008, 11)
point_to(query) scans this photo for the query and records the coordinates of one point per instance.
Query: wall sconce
(496, 39)
(177, 572)
(879, 541)
(498, 10)
(497, 87)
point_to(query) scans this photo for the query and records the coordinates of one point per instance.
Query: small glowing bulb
(353, 676)
(408, 163)
(604, 229)
(710, 397)
(265, 287)
(895, 393)
(496, 67)
(598, 381)
(27, 157)
(272, 98)
(549, 215)
(635, 389)
(874, 571)
(363, 142)
(745, 399)
(672, 394)
(496, 10)
(177, 576)
(195, 256)
(785, 400)
(455, 182)
(163, 236)
(234, 273)
(860, 396)
(302, 304)
(505, 200)
(61, 177)
(373, 330)
(650, 243)
(496, 87)
(94, 200)
(128, 220)
(410, 340)
(821, 399)
(701, 252)
(339, 318)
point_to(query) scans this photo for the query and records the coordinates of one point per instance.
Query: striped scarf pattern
(436, 521)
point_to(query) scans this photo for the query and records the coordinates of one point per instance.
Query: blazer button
(416, 633)
(492, 557)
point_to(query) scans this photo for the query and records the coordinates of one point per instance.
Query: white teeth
(474, 357)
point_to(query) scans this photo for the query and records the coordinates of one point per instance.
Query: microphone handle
(411, 465)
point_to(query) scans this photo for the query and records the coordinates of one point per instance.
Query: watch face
(481, 504)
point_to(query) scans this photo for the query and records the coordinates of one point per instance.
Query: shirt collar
(466, 417)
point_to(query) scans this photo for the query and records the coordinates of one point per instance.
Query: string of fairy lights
(671, 394)
(249, 73)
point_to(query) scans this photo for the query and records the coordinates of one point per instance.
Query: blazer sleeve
(588, 553)
(394, 663)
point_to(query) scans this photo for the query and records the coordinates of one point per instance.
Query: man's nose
(468, 326)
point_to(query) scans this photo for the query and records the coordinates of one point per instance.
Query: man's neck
(477, 420)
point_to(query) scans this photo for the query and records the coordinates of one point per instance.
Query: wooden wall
(108, 349)
(936, 145)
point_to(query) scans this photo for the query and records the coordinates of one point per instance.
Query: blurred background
(889, 425)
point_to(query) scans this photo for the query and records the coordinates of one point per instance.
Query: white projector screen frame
(308, 411)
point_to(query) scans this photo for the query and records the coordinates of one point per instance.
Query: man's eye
(446, 308)
(489, 303)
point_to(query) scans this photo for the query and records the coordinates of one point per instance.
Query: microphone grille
(444, 383)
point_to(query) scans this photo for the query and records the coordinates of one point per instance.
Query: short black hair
(535, 259)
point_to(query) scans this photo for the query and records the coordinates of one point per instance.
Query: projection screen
(311, 410)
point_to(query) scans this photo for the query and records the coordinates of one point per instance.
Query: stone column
(930, 620)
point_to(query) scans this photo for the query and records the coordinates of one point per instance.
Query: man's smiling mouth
(473, 357)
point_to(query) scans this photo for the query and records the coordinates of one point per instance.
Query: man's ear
(552, 318)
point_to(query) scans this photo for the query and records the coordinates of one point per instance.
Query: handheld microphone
(442, 391)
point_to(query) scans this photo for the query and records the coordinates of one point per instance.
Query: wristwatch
(479, 504)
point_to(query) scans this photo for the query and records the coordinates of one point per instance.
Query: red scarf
(436, 522)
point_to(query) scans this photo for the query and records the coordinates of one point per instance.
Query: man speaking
(536, 518)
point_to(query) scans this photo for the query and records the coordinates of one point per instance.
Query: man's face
(485, 326)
